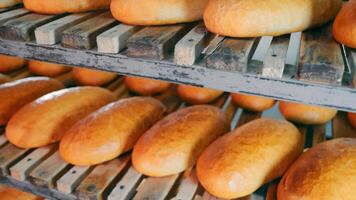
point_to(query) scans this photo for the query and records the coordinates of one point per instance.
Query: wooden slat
(248, 116)
(51, 33)
(292, 57)
(255, 64)
(12, 14)
(101, 178)
(70, 180)
(341, 126)
(83, 35)
(2, 10)
(319, 134)
(275, 59)
(188, 186)
(213, 45)
(47, 173)
(321, 58)
(190, 47)
(22, 28)
(155, 42)
(232, 55)
(155, 188)
(9, 155)
(125, 188)
(3, 140)
(352, 53)
(114, 40)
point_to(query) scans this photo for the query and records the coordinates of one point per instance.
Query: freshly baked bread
(326, 172)
(4, 78)
(18, 93)
(197, 95)
(65, 6)
(174, 143)
(9, 3)
(157, 12)
(252, 103)
(238, 163)
(45, 120)
(254, 18)
(10, 63)
(306, 114)
(344, 28)
(352, 119)
(110, 131)
(92, 77)
(47, 69)
(146, 87)
(8, 193)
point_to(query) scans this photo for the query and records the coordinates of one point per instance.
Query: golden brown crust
(252, 103)
(11, 63)
(238, 163)
(110, 131)
(8, 193)
(47, 69)
(197, 95)
(65, 6)
(344, 29)
(16, 94)
(45, 120)
(174, 143)
(144, 86)
(92, 77)
(253, 18)
(4, 78)
(9, 3)
(306, 114)
(326, 171)
(157, 12)
(352, 119)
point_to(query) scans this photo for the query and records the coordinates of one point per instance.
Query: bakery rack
(308, 67)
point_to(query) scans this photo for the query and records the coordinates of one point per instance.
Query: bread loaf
(306, 114)
(92, 77)
(252, 103)
(4, 78)
(144, 86)
(18, 93)
(240, 162)
(326, 172)
(110, 131)
(157, 12)
(9, 3)
(344, 28)
(47, 69)
(10, 63)
(45, 120)
(64, 6)
(352, 119)
(8, 193)
(254, 18)
(174, 143)
(197, 95)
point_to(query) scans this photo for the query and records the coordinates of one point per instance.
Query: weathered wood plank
(114, 40)
(51, 33)
(3, 140)
(155, 42)
(12, 14)
(275, 59)
(292, 57)
(22, 28)
(101, 179)
(248, 116)
(213, 45)
(256, 62)
(46, 174)
(190, 47)
(22, 168)
(9, 8)
(319, 134)
(9, 155)
(321, 60)
(70, 180)
(341, 126)
(83, 35)
(188, 186)
(229, 108)
(231, 55)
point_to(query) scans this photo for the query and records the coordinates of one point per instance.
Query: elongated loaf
(174, 143)
(64, 6)
(157, 12)
(145, 86)
(45, 120)
(10, 63)
(47, 69)
(306, 114)
(92, 77)
(344, 29)
(8, 193)
(197, 95)
(254, 18)
(110, 131)
(18, 93)
(9, 3)
(352, 119)
(240, 162)
(4, 78)
(252, 103)
(326, 171)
